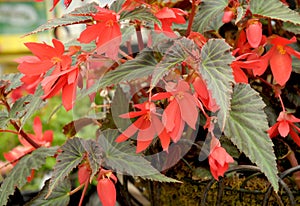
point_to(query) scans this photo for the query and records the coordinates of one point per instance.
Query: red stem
(139, 37)
(191, 17)
(83, 192)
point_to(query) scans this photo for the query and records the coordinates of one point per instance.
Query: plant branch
(191, 17)
(139, 37)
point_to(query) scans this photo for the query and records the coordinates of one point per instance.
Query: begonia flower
(279, 57)
(218, 159)
(254, 32)
(106, 188)
(148, 125)
(182, 108)
(286, 125)
(168, 16)
(106, 32)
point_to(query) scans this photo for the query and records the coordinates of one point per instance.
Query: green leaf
(75, 17)
(209, 16)
(72, 154)
(59, 196)
(123, 158)
(19, 108)
(18, 176)
(180, 50)
(217, 73)
(117, 5)
(141, 14)
(274, 9)
(11, 81)
(142, 66)
(246, 127)
(291, 27)
(94, 154)
(4, 119)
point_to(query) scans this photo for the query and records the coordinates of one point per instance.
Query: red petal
(171, 113)
(161, 95)
(59, 47)
(188, 109)
(142, 145)
(165, 13)
(239, 74)
(83, 173)
(68, 96)
(284, 128)
(273, 131)
(106, 192)
(37, 127)
(90, 33)
(281, 66)
(254, 33)
(42, 50)
(35, 68)
(295, 137)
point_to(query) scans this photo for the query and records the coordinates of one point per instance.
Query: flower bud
(254, 32)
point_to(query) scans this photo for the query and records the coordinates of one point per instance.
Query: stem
(191, 17)
(139, 37)
(83, 192)
(76, 189)
(281, 102)
(269, 27)
(125, 55)
(293, 161)
(9, 131)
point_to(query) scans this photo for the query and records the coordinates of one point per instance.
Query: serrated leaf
(71, 156)
(19, 108)
(177, 53)
(246, 127)
(94, 154)
(217, 73)
(274, 9)
(241, 11)
(209, 16)
(117, 5)
(122, 158)
(142, 66)
(13, 81)
(4, 119)
(74, 17)
(18, 176)
(291, 27)
(59, 197)
(141, 14)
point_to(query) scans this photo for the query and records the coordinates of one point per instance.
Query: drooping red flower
(182, 108)
(45, 58)
(66, 81)
(168, 16)
(218, 159)
(84, 172)
(106, 32)
(106, 188)
(284, 126)
(229, 14)
(148, 125)
(254, 32)
(204, 94)
(279, 57)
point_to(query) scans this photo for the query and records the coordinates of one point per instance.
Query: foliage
(140, 82)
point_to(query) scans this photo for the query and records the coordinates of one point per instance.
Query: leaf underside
(274, 9)
(246, 127)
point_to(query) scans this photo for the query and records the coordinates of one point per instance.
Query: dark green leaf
(291, 27)
(246, 127)
(59, 196)
(181, 49)
(94, 154)
(217, 73)
(4, 119)
(209, 16)
(18, 176)
(75, 17)
(274, 9)
(141, 14)
(123, 158)
(117, 5)
(142, 66)
(13, 81)
(19, 108)
(71, 156)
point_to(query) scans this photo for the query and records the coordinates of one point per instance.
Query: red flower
(182, 108)
(147, 125)
(284, 126)
(106, 32)
(130, 5)
(67, 81)
(84, 172)
(280, 59)
(218, 159)
(254, 32)
(168, 16)
(228, 15)
(204, 94)
(106, 188)
(45, 58)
